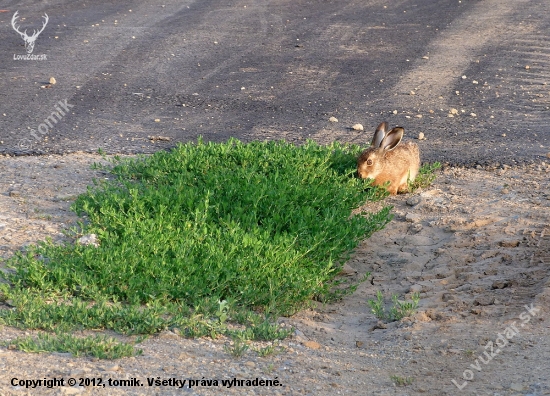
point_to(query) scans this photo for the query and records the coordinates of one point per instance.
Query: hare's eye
(369, 162)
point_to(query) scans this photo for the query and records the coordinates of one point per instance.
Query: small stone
(116, 367)
(407, 336)
(446, 297)
(90, 239)
(14, 193)
(453, 111)
(333, 119)
(514, 386)
(484, 300)
(414, 200)
(380, 325)
(504, 191)
(357, 127)
(250, 364)
(415, 289)
(394, 112)
(425, 57)
(503, 135)
(500, 284)
(464, 77)
(157, 119)
(347, 271)
(71, 390)
(52, 80)
(527, 67)
(475, 82)
(359, 344)
(416, 227)
(421, 136)
(473, 114)
(168, 334)
(418, 116)
(412, 93)
(547, 155)
(509, 243)
(312, 345)
(412, 218)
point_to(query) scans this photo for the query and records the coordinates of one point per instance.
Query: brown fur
(395, 165)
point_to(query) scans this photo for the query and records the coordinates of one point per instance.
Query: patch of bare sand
(476, 245)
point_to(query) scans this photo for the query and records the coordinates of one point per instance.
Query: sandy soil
(475, 245)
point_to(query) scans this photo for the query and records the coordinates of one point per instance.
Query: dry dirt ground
(475, 245)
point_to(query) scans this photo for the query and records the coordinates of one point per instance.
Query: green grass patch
(426, 176)
(98, 346)
(398, 310)
(198, 238)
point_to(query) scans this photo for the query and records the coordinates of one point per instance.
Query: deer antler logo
(29, 40)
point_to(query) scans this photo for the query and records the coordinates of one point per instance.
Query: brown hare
(387, 160)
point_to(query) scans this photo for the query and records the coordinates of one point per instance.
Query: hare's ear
(379, 134)
(392, 139)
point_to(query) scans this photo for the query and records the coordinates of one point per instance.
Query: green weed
(199, 238)
(397, 311)
(401, 381)
(426, 176)
(268, 350)
(100, 346)
(238, 349)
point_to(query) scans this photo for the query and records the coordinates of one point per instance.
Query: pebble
(415, 289)
(421, 136)
(347, 270)
(380, 325)
(484, 300)
(414, 200)
(516, 387)
(499, 284)
(416, 227)
(15, 193)
(510, 243)
(116, 367)
(90, 239)
(446, 297)
(412, 218)
(357, 127)
(71, 390)
(52, 80)
(333, 119)
(312, 345)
